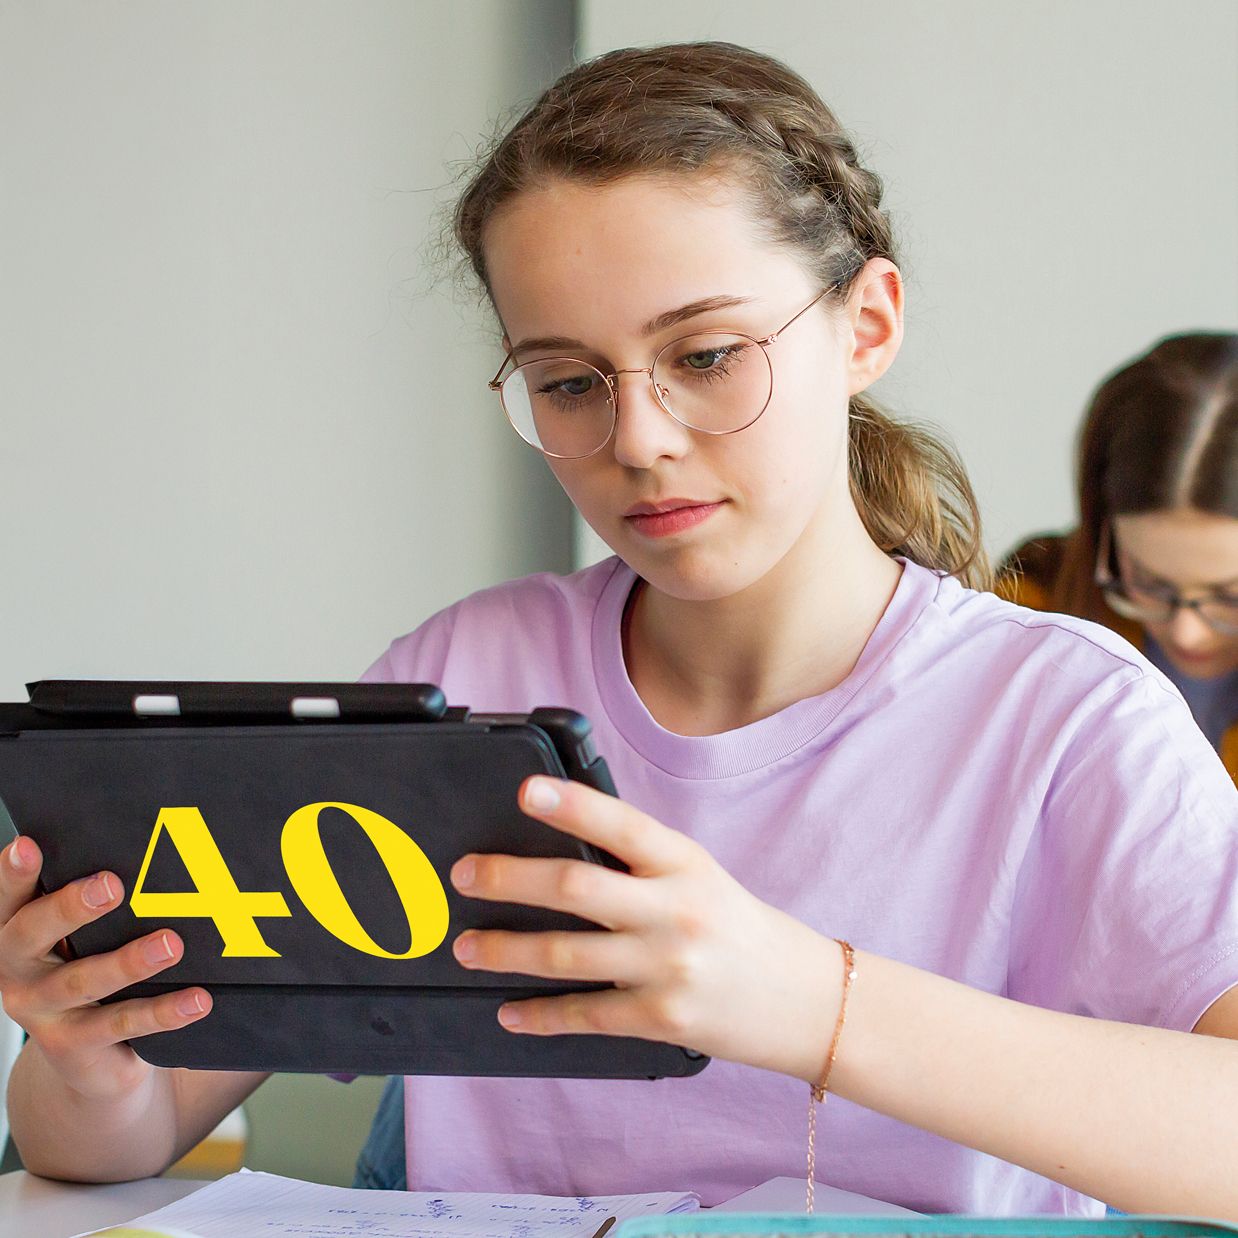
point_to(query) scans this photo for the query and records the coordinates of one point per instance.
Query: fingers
(50, 999)
(20, 863)
(555, 956)
(86, 1047)
(57, 1003)
(96, 1027)
(85, 981)
(613, 900)
(610, 1012)
(645, 845)
(34, 929)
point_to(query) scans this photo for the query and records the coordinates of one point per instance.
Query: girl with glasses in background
(886, 833)
(1155, 555)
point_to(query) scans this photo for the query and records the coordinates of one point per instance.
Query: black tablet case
(89, 790)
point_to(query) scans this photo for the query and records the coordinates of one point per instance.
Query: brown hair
(1160, 434)
(714, 107)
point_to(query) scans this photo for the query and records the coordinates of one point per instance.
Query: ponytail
(913, 495)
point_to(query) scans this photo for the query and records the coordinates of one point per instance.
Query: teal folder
(784, 1225)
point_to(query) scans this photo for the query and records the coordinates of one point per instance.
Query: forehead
(568, 258)
(1183, 547)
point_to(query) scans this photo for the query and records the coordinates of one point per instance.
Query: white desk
(32, 1207)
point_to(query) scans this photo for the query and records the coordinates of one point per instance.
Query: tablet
(299, 837)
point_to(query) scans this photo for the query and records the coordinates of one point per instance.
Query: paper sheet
(788, 1195)
(258, 1205)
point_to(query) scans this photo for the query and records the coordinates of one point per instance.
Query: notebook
(245, 1204)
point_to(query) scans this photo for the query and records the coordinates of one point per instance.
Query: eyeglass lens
(1152, 606)
(714, 382)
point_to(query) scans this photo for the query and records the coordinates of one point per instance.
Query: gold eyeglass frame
(500, 380)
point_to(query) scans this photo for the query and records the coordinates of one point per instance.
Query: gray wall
(1064, 178)
(241, 433)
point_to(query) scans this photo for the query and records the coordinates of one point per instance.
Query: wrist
(818, 1090)
(821, 1086)
(814, 977)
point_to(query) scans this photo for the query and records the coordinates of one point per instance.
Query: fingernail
(542, 794)
(509, 1017)
(464, 874)
(189, 1004)
(466, 947)
(98, 891)
(18, 857)
(157, 949)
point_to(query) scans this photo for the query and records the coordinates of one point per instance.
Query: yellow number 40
(235, 912)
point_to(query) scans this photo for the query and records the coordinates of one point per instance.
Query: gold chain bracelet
(817, 1091)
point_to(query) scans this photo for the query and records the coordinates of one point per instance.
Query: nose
(1189, 632)
(644, 430)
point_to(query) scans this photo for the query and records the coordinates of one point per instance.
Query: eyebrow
(706, 305)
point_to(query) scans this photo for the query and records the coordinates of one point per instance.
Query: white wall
(238, 436)
(1064, 179)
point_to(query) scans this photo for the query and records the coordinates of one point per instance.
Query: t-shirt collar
(759, 744)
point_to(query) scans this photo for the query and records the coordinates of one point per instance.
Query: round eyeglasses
(715, 382)
(1160, 602)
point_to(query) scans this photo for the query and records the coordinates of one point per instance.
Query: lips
(1193, 659)
(668, 517)
(667, 505)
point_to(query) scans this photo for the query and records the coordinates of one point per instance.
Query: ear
(875, 314)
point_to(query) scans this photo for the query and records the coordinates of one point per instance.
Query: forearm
(61, 1133)
(1142, 1118)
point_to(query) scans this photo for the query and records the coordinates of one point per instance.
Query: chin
(693, 575)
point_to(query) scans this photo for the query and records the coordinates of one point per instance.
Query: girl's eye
(710, 361)
(705, 359)
(1152, 586)
(576, 386)
(1160, 592)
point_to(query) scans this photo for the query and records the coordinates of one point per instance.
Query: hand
(57, 1001)
(695, 959)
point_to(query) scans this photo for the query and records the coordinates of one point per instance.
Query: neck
(706, 667)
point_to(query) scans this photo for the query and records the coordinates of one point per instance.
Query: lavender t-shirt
(1012, 799)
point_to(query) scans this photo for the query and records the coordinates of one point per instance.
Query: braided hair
(716, 108)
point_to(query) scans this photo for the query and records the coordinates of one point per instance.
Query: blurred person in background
(1155, 554)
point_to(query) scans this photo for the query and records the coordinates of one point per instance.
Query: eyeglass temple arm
(495, 383)
(825, 292)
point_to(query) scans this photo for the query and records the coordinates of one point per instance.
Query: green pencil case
(784, 1225)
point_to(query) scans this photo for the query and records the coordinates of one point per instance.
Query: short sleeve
(418, 657)
(1127, 897)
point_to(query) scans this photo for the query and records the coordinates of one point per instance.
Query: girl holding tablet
(822, 732)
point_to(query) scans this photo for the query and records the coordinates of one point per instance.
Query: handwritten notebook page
(259, 1205)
